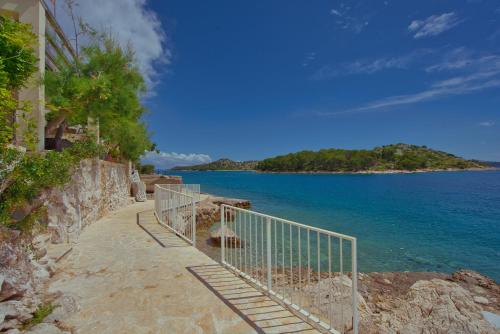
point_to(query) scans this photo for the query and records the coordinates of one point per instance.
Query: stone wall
(96, 188)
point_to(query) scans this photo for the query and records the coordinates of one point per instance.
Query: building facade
(52, 44)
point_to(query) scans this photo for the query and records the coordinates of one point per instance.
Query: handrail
(316, 229)
(177, 212)
(302, 266)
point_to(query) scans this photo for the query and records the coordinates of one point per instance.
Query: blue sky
(252, 79)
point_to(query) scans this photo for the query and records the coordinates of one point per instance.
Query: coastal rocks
(96, 188)
(232, 239)
(16, 267)
(334, 297)
(13, 313)
(139, 191)
(46, 328)
(430, 306)
(481, 300)
(65, 305)
(151, 179)
(208, 210)
(25, 266)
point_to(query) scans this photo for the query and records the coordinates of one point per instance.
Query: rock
(13, 313)
(335, 295)
(481, 300)
(208, 210)
(40, 241)
(151, 179)
(96, 188)
(40, 253)
(435, 306)
(139, 191)
(45, 328)
(232, 239)
(475, 278)
(16, 266)
(64, 307)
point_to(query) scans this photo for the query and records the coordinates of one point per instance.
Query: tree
(17, 64)
(105, 85)
(23, 175)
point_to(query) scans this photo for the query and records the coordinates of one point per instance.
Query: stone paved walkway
(136, 277)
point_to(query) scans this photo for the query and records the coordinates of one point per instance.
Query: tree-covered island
(389, 158)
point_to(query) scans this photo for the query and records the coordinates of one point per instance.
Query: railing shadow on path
(147, 221)
(260, 311)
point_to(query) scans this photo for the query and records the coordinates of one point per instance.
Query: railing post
(222, 235)
(269, 256)
(193, 213)
(173, 221)
(354, 287)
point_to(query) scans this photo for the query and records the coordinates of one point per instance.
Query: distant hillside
(222, 164)
(386, 158)
(495, 164)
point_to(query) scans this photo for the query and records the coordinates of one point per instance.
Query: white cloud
(487, 123)
(310, 57)
(167, 160)
(364, 66)
(473, 72)
(348, 16)
(433, 25)
(462, 59)
(458, 85)
(131, 22)
(335, 12)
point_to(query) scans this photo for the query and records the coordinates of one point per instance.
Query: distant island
(384, 159)
(220, 165)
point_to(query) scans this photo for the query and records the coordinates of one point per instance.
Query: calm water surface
(404, 222)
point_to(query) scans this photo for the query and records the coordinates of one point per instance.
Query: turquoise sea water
(439, 221)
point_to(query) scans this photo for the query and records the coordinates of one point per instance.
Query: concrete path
(136, 277)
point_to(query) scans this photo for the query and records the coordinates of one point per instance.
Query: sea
(437, 221)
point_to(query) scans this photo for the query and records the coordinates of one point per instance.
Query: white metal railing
(176, 211)
(312, 270)
(188, 189)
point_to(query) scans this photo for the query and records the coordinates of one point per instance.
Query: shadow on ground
(258, 310)
(162, 235)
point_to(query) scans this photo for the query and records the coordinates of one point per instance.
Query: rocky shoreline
(397, 302)
(362, 172)
(392, 171)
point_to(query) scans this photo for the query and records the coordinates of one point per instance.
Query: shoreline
(364, 172)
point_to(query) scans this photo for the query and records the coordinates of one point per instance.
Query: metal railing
(176, 211)
(312, 270)
(188, 189)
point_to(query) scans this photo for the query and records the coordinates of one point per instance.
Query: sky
(247, 80)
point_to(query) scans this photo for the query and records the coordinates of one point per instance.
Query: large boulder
(151, 179)
(208, 210)
(430, 306)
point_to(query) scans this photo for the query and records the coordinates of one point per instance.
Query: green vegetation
(385, 158)
(17, 64)
(32, 173)
(104, 85)
(145, 169)
(222, 164)
(42, 311)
